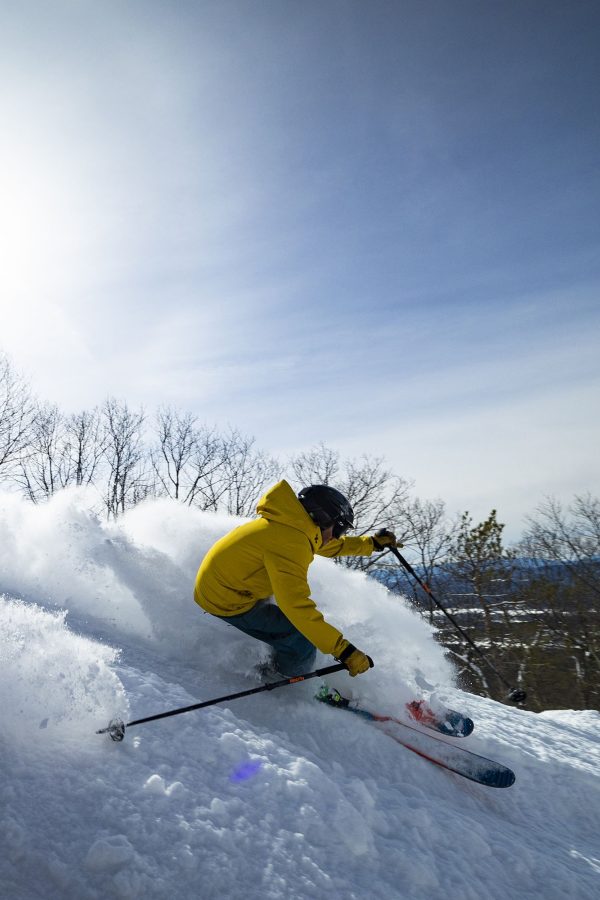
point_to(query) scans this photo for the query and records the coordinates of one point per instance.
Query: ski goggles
(341, 526)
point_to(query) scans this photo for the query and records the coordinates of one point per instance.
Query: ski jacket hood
(280, 504)
(270, 556)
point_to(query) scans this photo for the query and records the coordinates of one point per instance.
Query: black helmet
(326, 507)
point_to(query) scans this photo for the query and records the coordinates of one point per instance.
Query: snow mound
(272, 796)
(54, 685)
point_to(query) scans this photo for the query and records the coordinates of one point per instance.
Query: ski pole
(515, 695)
(116, 728)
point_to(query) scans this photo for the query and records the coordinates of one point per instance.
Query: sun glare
(33, 223)
(40, 226)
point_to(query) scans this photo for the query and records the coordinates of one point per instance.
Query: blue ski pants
(294, 654)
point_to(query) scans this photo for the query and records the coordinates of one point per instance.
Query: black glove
(384, 539)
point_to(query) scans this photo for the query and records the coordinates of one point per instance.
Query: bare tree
(377, 495)
(571, 537)
(321, 465)
(176, 444)
(187, 459)
(246, 473)
(428, 534)
(124, 452)
(86, 446)
(44, 464)
(210, 471)
(61, 451)
(16, 414)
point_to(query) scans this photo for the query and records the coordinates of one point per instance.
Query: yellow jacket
(271, 556)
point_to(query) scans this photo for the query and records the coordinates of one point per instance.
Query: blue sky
(374, 225)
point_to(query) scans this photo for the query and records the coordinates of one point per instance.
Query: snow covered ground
(274, 796)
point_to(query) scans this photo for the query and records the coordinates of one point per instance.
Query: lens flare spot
(245, 771)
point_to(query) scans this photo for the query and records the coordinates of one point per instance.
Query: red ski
(446, 721)
(430, 747)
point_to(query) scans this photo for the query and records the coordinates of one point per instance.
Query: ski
(430, 747)
(446, 721)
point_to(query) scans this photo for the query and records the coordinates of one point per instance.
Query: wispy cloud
(317, 222)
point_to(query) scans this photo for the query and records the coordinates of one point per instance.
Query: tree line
(127, 456)
(532, 607)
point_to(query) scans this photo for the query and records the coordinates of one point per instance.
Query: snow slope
(273, 796)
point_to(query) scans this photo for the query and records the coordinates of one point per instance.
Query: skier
(268, 558)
